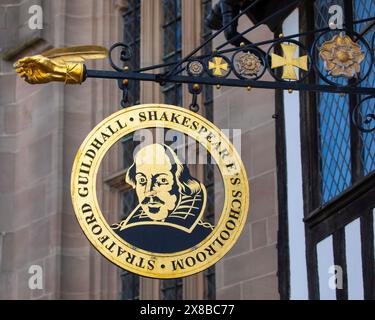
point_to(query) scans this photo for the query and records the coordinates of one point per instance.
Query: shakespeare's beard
(158, 206)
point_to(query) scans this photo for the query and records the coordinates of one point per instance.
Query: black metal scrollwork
(364, 122)
(125, 55)
(330, 58)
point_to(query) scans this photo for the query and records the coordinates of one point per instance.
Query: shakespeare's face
(155, 182)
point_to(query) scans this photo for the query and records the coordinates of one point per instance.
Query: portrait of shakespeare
(169, 215)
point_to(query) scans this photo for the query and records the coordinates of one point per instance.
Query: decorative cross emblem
(289, 61)
(218, 66)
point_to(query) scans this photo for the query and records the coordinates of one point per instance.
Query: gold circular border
(160, 259)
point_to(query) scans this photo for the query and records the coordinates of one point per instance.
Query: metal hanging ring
(300, 45)
(252, 50)
(124, 87)
(194, 107)
(226, 60)
(315, 58)
(195, 90)
(195, 68)
(194, 104)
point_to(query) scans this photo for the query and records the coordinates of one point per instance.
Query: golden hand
(39, 69)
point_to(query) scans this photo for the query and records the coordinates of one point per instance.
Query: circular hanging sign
(165, 236)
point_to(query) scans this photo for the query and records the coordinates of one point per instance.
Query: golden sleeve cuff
(74, 73)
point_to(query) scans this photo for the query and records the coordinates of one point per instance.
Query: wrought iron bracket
(246, 65)
(103, 74)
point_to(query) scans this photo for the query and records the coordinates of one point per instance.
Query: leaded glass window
(171, 289)
(209, 178)
(172, 48)
(345, 156)
(130, 286)
(334, 131)
(132, 35)
(363, 9)
(338, 184)
(131, 16)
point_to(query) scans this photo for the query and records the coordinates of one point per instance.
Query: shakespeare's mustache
(147, 200)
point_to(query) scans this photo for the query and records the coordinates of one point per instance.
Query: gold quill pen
(76, 53)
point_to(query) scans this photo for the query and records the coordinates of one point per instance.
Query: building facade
(298, 149)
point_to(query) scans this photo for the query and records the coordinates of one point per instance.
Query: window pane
(129, 281)
(132, 34)
(354, 260)
(178, 36)
(171, 289)
(172, 36)
(210, 285)
(172, 46)
(334, 131)
(325, 262)
(334, 145)
(130, 286)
